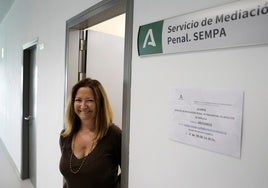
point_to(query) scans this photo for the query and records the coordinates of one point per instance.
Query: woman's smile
(84, 104)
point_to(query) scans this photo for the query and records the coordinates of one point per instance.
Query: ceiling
(5, 5)
(114, 26)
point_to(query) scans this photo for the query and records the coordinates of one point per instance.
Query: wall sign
(208, 119)
(236, 24)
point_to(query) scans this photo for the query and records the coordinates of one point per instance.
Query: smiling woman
(91, 143)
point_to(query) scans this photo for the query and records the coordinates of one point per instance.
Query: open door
(99, 13)
(28, 169)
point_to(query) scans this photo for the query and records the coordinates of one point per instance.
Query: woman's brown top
(100, 169)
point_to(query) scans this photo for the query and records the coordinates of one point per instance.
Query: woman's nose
(84, 104)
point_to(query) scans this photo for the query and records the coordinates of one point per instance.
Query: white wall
(26, 21)
(157, 162)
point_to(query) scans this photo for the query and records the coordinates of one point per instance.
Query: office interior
(47, 33)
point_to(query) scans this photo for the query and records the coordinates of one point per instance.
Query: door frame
(100, 12)
(25, 81)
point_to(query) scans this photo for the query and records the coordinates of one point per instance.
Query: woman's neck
(88, 126)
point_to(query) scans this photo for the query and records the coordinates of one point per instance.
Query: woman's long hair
(104, 115)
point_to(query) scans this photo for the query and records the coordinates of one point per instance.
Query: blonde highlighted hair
(104, 115)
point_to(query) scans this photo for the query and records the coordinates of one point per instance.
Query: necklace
(83, 161)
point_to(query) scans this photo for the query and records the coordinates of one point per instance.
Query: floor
(9, 177)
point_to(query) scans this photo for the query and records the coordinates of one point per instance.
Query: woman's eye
(86, 100)
(78, 100)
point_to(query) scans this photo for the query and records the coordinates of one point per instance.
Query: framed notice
(208, 119)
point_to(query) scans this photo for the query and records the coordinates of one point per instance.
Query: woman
(90, 143)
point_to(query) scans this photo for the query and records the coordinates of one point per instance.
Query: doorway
(99, 13)
(29, 93)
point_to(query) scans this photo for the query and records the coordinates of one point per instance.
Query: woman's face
(84, 104)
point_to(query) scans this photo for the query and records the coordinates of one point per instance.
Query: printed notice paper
(208, 119)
